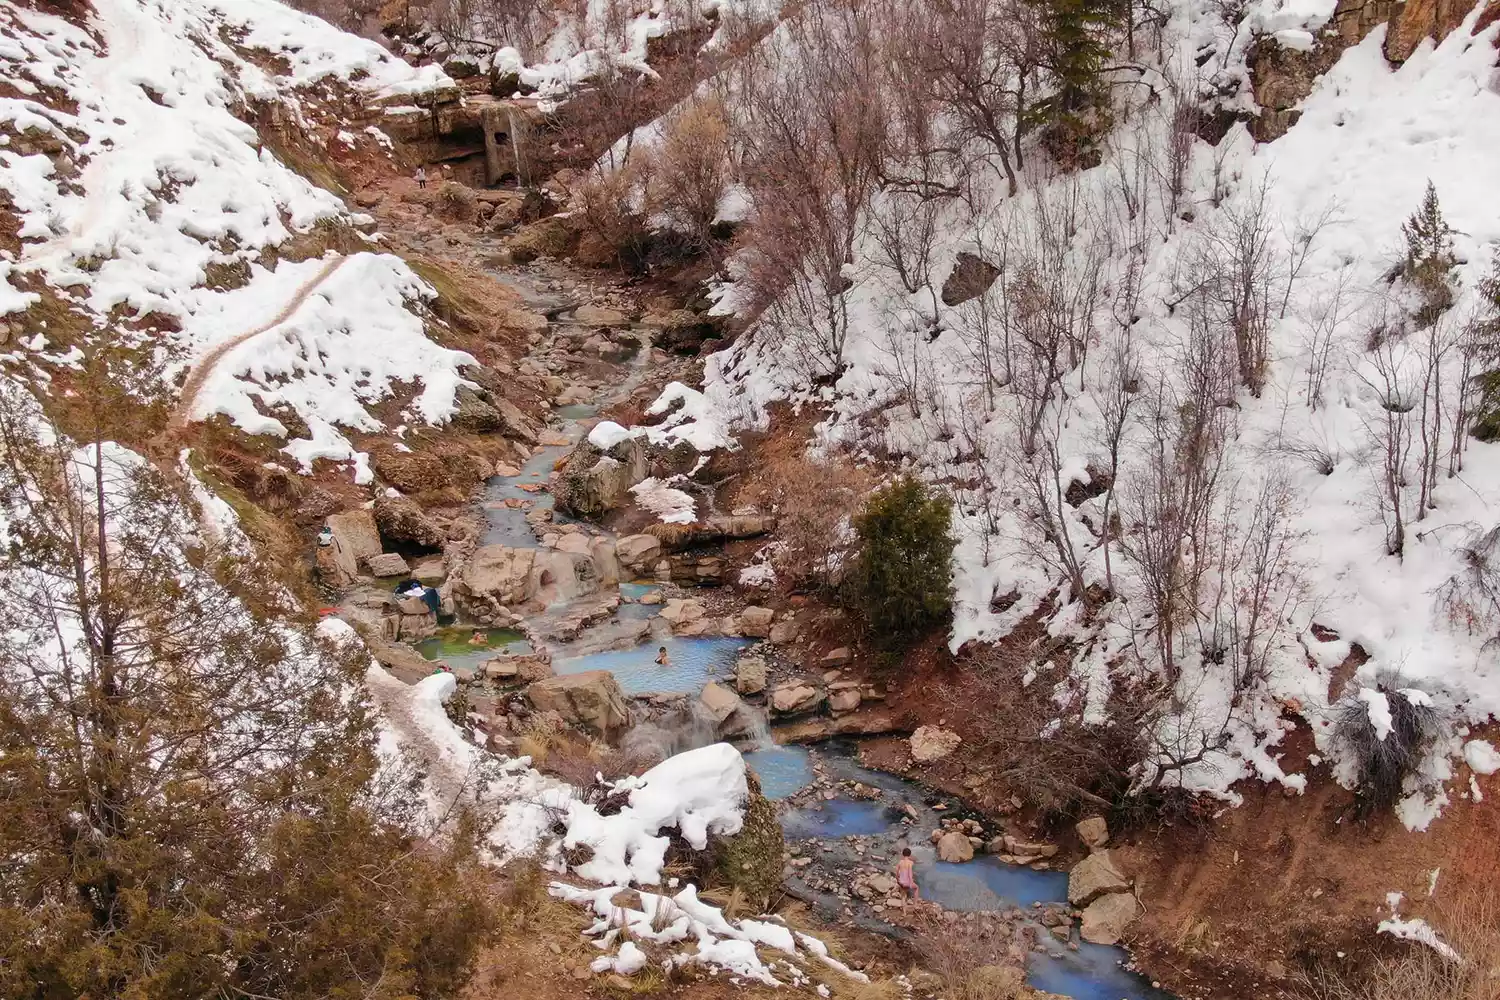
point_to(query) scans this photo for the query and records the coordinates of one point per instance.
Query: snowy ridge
(1352, 169)
(157, 183)
(697, 793)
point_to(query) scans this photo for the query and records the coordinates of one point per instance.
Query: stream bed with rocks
(846, 826)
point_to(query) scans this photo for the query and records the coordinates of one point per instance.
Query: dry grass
(1470, 925)
(973, 961)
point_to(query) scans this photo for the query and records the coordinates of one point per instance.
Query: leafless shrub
(975, 961)
(1385, 760)
(1330, 318)
(1255, 588)
(813, 136)
(1115, 396)
(1470, 599)
(810, 500)
(617, 206)
(692, 167)
(1391, 432)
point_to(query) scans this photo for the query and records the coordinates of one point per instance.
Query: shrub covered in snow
(1384, 732)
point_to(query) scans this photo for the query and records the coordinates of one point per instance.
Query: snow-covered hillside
(135, 189)
(1087, 384)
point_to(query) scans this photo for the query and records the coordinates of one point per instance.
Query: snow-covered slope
(1301, 469)
(133, 182)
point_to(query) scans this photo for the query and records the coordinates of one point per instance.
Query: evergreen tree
(191, 796)
(1484, 342)
(902, 575)
(1078, 38)
(1429, 259)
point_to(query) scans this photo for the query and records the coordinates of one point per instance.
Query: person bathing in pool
(662, 657)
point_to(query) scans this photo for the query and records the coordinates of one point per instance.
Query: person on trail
(421, 177)
(662, 657)
(906, 875)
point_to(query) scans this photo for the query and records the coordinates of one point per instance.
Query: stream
(844, 834)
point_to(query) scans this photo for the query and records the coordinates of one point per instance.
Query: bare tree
(813, 137)
(1114, 396)
(1390, 432)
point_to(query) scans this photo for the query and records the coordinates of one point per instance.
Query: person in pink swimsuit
(906, 875)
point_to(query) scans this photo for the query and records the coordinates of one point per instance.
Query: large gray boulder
(498, 575)
(591, 700)
(355, 530)
(594, 482)
(1096, 875)
(750, 675)
(1094, 832)
(954, 846)
(796, 698)
(1105, 919)
(638, 553)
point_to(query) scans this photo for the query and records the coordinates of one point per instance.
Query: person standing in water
(421, 177)
(906, 875)
(662, 657)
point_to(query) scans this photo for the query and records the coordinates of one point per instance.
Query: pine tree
(903, 570)
(1484, 342)
(1429, 257)
(1078, 36)
(191, 803)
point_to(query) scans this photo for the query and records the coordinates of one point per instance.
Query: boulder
(795, 698)
(718, 701)
(474, 413)
(521, 668)
(784, 632)
(750, 675)
(402, 520)
(954, 846)
(593, 482)
(930, 743)
(337, 566)
(388, 564)
(1096, 875)
(606, 564)
(499, 575)
(971, 277)
(756, 622)
(1105, 919)
(882, 884)
(1014, 845)
(1094, 832)
(591, 700)
(681, 612)
(844, 700)
(837, 658)
(430, 570)
(357, 532)
(592, 315)
(638, 553)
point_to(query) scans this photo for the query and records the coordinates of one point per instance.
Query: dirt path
(448, 778)
(188, 399)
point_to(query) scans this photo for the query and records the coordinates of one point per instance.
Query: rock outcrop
(387, 564)
(750, 675)
(402, 520)
(1096, 875)
(1105, 919)
(796, 698)
(594, 482)
(497, 576)
(931, 743)
(591, 700)
(954, 846)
